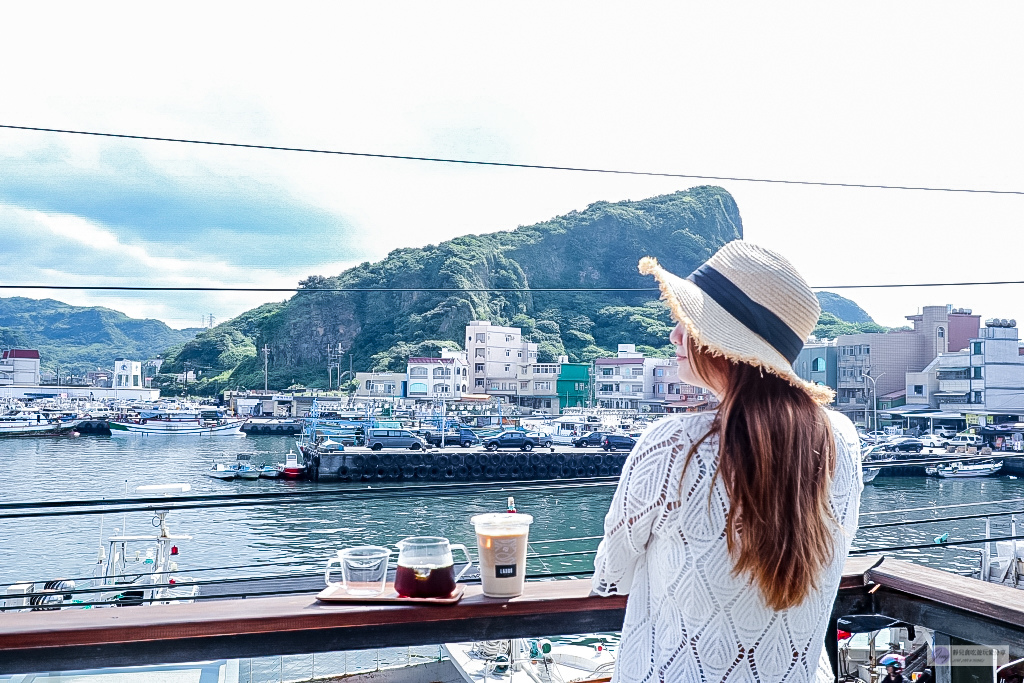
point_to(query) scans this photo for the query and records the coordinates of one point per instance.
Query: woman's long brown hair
(777, 456)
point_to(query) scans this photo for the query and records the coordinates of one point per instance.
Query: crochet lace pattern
(689, 618)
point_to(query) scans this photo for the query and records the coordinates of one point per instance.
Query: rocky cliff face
(598, 247)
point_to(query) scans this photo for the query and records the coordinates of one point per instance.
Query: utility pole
(333, 363)
(266, 363)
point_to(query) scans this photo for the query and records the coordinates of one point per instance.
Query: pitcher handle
(469, 560)
(327, 570)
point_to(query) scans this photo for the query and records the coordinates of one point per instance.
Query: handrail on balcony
(965, 608)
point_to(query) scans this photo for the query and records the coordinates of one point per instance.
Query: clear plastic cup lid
(501, 520)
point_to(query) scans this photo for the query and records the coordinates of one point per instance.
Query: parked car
(512, 439)
(906, 444)
(933, 441)
(965, 440)
(542, 438)
(462, 437)
(875, 437)
(946, 432)
(614, 442)
(377, 439)
(592, 439)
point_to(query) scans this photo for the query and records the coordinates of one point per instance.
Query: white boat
(222, 471)
(959, 470)
(530, 661)
(124, 575)
(25, 423)
(868, 474)
(183, 423)
(244, 469)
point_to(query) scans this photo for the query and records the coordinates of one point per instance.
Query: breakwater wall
(372, 466)
(272, 427)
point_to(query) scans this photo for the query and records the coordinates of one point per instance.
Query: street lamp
(874, 394)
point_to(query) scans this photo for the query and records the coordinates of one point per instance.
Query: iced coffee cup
(501, 539)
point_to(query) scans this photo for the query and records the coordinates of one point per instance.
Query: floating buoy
(943, 538)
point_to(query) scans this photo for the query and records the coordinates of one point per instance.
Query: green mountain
(80, 338)
(598, 247)
(842, 308)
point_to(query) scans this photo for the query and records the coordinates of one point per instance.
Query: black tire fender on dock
(435, 473)
(387, 460)
(408, 472)
(471, 459)
(490, 472)
(477, 472)
(494, 459)
(358, 460)
(522, 460)
(462, 473)
(535, 459)
(515, 472)
(542, 472)
(422, 471)
(504, 472)
(508, 460)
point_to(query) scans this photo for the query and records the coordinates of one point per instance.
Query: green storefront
(573, 386)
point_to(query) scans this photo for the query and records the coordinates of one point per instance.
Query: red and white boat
(291, 469)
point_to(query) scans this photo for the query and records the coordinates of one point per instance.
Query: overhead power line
(506, 164)
(469, 290)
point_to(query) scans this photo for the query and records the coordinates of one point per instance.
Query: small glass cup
(364, 570)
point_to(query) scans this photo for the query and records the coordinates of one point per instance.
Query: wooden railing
(75, 639)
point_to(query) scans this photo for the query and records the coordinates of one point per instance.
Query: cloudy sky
(913, 93)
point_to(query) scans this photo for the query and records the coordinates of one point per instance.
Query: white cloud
(910, 94)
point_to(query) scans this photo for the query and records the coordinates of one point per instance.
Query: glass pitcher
(426, 568)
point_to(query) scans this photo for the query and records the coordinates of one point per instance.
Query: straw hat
(746, 303)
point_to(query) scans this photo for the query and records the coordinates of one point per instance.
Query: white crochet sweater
(688, 617)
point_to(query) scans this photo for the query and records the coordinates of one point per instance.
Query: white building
(381, 384)
(495, 355)
(446, 377)
(619, 381)
(128, 374)
(19, 367)
(987, 378)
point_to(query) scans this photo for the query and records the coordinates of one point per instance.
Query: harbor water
(275, 539)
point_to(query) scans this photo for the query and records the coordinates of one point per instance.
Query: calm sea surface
(270, 540)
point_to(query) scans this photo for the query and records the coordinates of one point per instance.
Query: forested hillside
(82, 338)
(596, 248)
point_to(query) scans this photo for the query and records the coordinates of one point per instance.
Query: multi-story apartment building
(573, 385)
(381, 384)
(886, 358)
(619, 381)
(538, 385)
(817, 363)
(496, 356)
(19, 366)
(446, 377)
(985, 380)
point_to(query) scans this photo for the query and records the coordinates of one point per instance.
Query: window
(481, 337)
(418, 372)
(508, 352)
(867, 350)
(418, 388)
(607, 387)
(818, 365)
(519, 354)
(607, 372)
(479, 353)
(135, 380)
(979, 397)
(495, 385)
(480, 382)
(442, 372)
(441, 389)
(976, 348)
(659, 388)
(942, 333)
(542, 386)
(524, 385)
(479, 367)
(508, 337)
(507, 367)
(977, 373)
(918, 390)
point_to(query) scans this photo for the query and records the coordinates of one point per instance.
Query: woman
(729, 529)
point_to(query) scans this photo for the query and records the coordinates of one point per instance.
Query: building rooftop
(21, 353)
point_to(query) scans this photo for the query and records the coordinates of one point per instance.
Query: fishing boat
(268, 472)
(222, 471)
(244, 468)
(868, 474)
(291, 469)
(25, 423)
(531, 661)
(180, 423)
(124, 574)
(959, 470)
